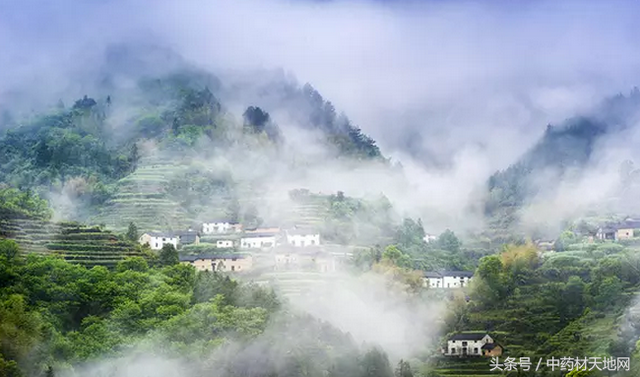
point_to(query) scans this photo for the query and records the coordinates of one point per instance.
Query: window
(453, 350)
(233, 268)
(475, 350)
(464, 344)
(157, 245)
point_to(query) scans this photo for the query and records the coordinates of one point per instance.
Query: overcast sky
(439, 74)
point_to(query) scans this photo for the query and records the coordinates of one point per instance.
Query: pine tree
(132, 232)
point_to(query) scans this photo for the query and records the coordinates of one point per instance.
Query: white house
(302, 238)
(447, 279)
(221, 226)
(158, 240)
(235, 263)
(224, 243)
(429, 238)
(476, 344)
(258, 241)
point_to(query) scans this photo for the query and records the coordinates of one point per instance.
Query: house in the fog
(302, 237)
(621, 231)
(224, 243)
(446, 279)
(258, 241)
(221, 227)
(473, 344)
(189, 237)
(228, 263)
(307, 259)
(429, 238)
(157, 240)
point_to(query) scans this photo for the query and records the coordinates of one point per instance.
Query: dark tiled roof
(472, 336)
(432, 275)
(218, 221)
(253, 235)
(630, 224)
(188, 237)
(490, 346)
(160, 234)
(192, 258)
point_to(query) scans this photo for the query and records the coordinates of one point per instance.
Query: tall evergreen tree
(132, 232)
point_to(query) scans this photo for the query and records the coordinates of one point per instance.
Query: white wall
(224, 243)
(158, 242)
(471, 347)
(303, 240)
(257, 242)
(209, 228)
(447, 282)
(454, 282)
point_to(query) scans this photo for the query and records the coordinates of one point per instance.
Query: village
(238, 249)
(275, 250)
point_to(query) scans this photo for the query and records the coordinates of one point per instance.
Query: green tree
(403, 369)
(397, 257)
(375, 363)
(448, 241)
(132, 232)
(9, 249)
(134, 263)
(168, 255)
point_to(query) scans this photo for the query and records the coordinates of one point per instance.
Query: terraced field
(89, 246)
(460, 367)
(141, 198)
(294, 283)
(309, 212)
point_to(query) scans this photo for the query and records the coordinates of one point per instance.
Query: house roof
(254, 235)
(162, 234)
(440, 274)
(192, 258)
(490, 346)
(471, 336)
(630, 224)
(221, 221)
(263, 229)
(188, 237)
(302, 232)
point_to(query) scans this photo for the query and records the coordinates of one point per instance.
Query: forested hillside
(564, 153)
(149, 148)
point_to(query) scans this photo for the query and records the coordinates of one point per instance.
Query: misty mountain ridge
(565, 153)
(189, 116)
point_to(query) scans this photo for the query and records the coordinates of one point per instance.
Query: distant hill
(561, 154)
(134, 148)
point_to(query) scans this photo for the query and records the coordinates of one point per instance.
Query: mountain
(564, 153)
(156, 142)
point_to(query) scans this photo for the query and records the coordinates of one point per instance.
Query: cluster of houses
(295, 248)
(228, 232)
